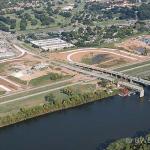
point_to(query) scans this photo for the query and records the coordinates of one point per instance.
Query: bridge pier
(116, 76)
(103, 73)
(131, 81)
(142, 93)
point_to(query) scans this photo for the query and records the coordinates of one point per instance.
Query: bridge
(81, 68)
(112, 73)
(133, 86)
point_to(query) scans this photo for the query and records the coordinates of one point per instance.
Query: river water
(84, 128)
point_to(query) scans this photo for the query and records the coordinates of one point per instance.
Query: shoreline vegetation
(72, 101)
(136, 143)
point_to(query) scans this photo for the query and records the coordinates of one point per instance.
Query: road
(138, 67)
(39, 93)
(100, 50)
(22, 95)
(33, 90)
(9, 81)
(23, 52)
(104, 76)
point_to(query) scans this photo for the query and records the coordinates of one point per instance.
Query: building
(68, 8)
(51, 44)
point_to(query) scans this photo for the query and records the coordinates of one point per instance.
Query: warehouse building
(51, 44)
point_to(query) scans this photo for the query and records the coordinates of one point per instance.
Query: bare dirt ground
(133, 43)
(78, 56)
(116, 57)
(10, 86)
(40, 73)
(27, 58)
(25, 63)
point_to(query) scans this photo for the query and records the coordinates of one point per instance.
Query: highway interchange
(23, 95)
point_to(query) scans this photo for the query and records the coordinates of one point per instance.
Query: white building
(68, 8)
(52, 44)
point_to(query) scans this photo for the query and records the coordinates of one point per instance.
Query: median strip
(39, 93)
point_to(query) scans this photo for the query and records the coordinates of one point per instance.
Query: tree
(50, 98)
(23, 24)
(34, 22)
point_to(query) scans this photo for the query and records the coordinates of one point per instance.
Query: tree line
(52, 105)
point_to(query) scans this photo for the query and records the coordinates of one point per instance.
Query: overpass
(133, 86)
(100, 75)
(112, 73)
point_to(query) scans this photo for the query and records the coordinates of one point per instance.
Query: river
(83, 128)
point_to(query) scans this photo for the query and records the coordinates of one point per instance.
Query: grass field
(17, 80)
(35, 90)
(138, 71)
(37, 100)
(46, 79)
(132, 66)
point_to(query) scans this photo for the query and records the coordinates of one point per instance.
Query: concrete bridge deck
(112, 73)
(105, 76)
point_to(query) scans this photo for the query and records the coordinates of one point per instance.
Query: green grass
(2, 92)
(37, 100)
(46, 79)
(17, 80)
(110, 22)
(87, 60)
(138, 70)
(29, 47)
(2, 67)
(33, 91)
(58, 18)
(132, 66)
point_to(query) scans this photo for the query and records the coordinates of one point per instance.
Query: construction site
(28, 75)
(7, 50)
(18, 73)
(101, 57)
(138, 45)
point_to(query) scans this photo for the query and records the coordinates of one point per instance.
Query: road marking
(35, 88)
(7, 80)
(135, 68)
(5, 88)
(36, 94)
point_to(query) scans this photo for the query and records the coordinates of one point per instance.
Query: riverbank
(100, 122)
(73, 101)
(136, 143)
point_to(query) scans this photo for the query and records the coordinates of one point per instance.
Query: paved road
(39, 93)
(23, 52)
(9, 81)
(138, 67)
(100, 50)
(101, 75)
(37, 88)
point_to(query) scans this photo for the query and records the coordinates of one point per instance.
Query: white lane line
(5, 88)
(44, 86)
(136, 68)
(36, 94)
(9, 81)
